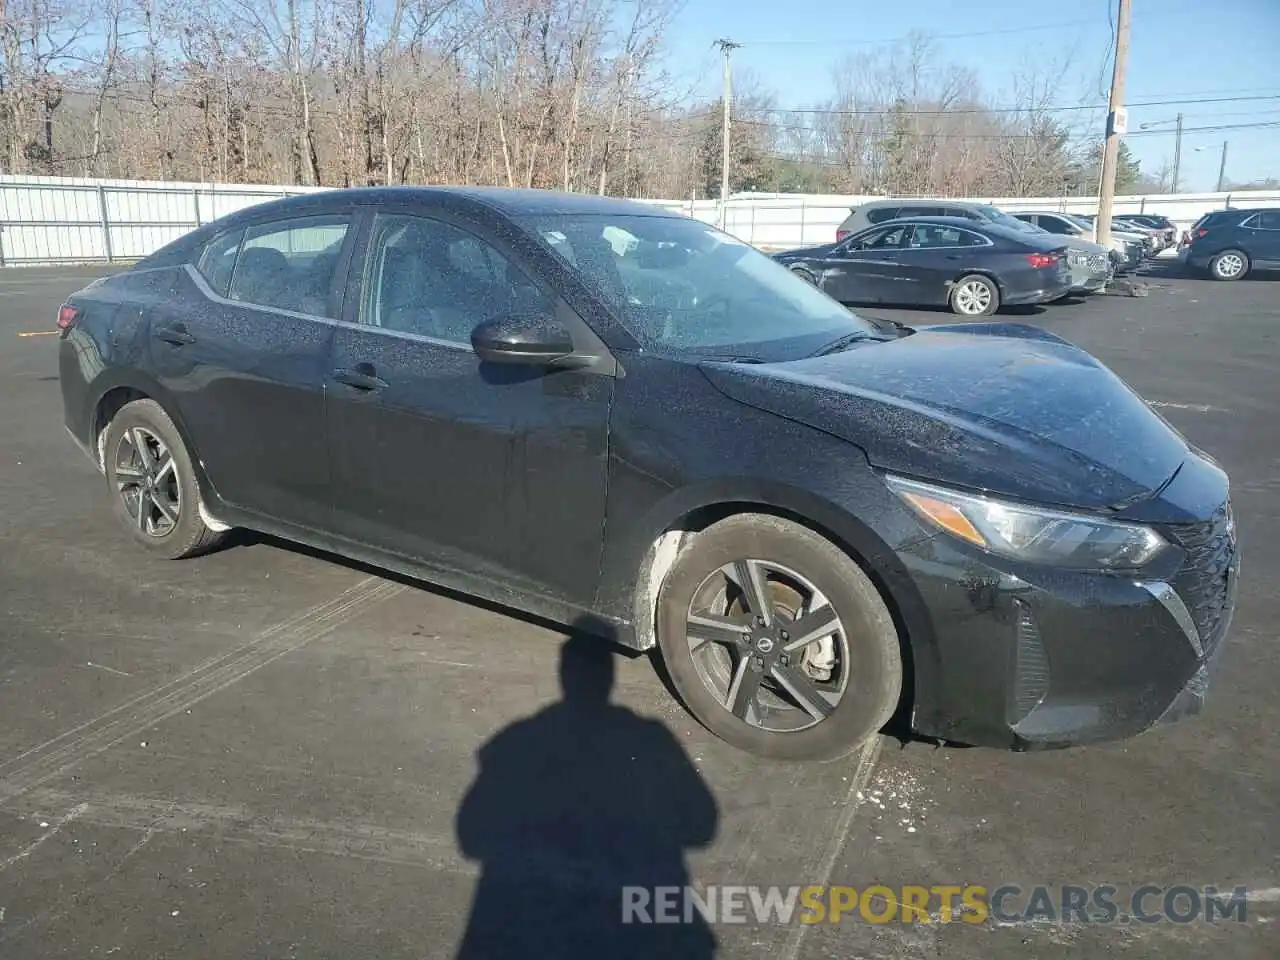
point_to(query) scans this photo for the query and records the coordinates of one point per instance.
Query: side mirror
(536, 340)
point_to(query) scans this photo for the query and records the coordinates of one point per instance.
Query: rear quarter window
(881, 214)
(921, 211)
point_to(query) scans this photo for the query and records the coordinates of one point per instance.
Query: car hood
(1001, 407)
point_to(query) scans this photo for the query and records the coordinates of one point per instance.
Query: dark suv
(1231, 243)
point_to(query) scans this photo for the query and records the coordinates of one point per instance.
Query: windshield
(996, 215)
(681, 286)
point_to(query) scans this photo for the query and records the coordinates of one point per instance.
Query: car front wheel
(153, 483)
(1229, 265)
(777, 641)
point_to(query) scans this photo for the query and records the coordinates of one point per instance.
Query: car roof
(904, 201)
(511, 202)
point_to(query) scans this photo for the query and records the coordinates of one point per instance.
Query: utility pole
(1222, 167)
(726, 48)
(1116, 122)
(1177, 154)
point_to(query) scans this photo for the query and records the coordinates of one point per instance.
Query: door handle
(362, 377)
(176, 335)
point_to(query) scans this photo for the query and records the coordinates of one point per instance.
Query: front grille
(1204, 580)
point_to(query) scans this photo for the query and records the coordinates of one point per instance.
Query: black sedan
(629, 422)
(974, 267)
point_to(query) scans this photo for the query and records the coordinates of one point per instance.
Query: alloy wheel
(147, 481)
(768, 645)
(973, 297)
(1229, 265)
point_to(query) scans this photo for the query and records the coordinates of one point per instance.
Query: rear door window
(290, 264)
(934, 235)
(1268, 220)
(218, 261)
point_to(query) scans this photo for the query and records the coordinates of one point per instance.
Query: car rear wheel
(153, 484)
(777, 641)
(1229, 265)
(975, 296)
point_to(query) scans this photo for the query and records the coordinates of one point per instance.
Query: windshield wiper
(725, 358)
(841, 343)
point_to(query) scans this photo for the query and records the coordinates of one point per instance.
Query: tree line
(564, 94)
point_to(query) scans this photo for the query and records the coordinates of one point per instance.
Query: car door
(477, 469)
(241, 346)
(863, 269)
(1263, 231)
(936, 255)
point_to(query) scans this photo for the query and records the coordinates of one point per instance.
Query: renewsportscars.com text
(939, 903)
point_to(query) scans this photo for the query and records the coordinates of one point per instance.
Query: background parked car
(1232, 243)
(972, 266)
(1154, 235)
(1089, 264)
(1126, 256)
(1089, 268)
(881, 211)
(1143, 239)
(1164, 224)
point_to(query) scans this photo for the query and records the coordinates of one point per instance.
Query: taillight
(67, 316)
(1202, 232)
(1042, 260)
(841, 234)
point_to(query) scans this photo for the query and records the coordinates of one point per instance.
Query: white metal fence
(48, 220)
(68, 220)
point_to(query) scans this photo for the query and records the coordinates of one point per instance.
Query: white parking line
(47, 835)
(867, 758)
(1197, 407)
(42, 763)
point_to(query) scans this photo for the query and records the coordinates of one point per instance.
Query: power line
(1009, 31)
(880, 112)
(929, 135)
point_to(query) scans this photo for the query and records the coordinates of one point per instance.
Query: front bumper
(1032, 658)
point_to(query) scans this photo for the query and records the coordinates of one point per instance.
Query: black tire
(181, 532)
(959, 290)
(871, 675)
(1235, 263)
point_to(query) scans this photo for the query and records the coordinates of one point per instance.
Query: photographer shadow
(571, 806)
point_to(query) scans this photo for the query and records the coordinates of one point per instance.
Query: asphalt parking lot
(272, 753)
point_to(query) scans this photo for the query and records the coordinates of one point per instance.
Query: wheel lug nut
(746, 638)
(782, 634)
(759, 621)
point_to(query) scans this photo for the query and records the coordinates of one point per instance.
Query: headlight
(1029, 533)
